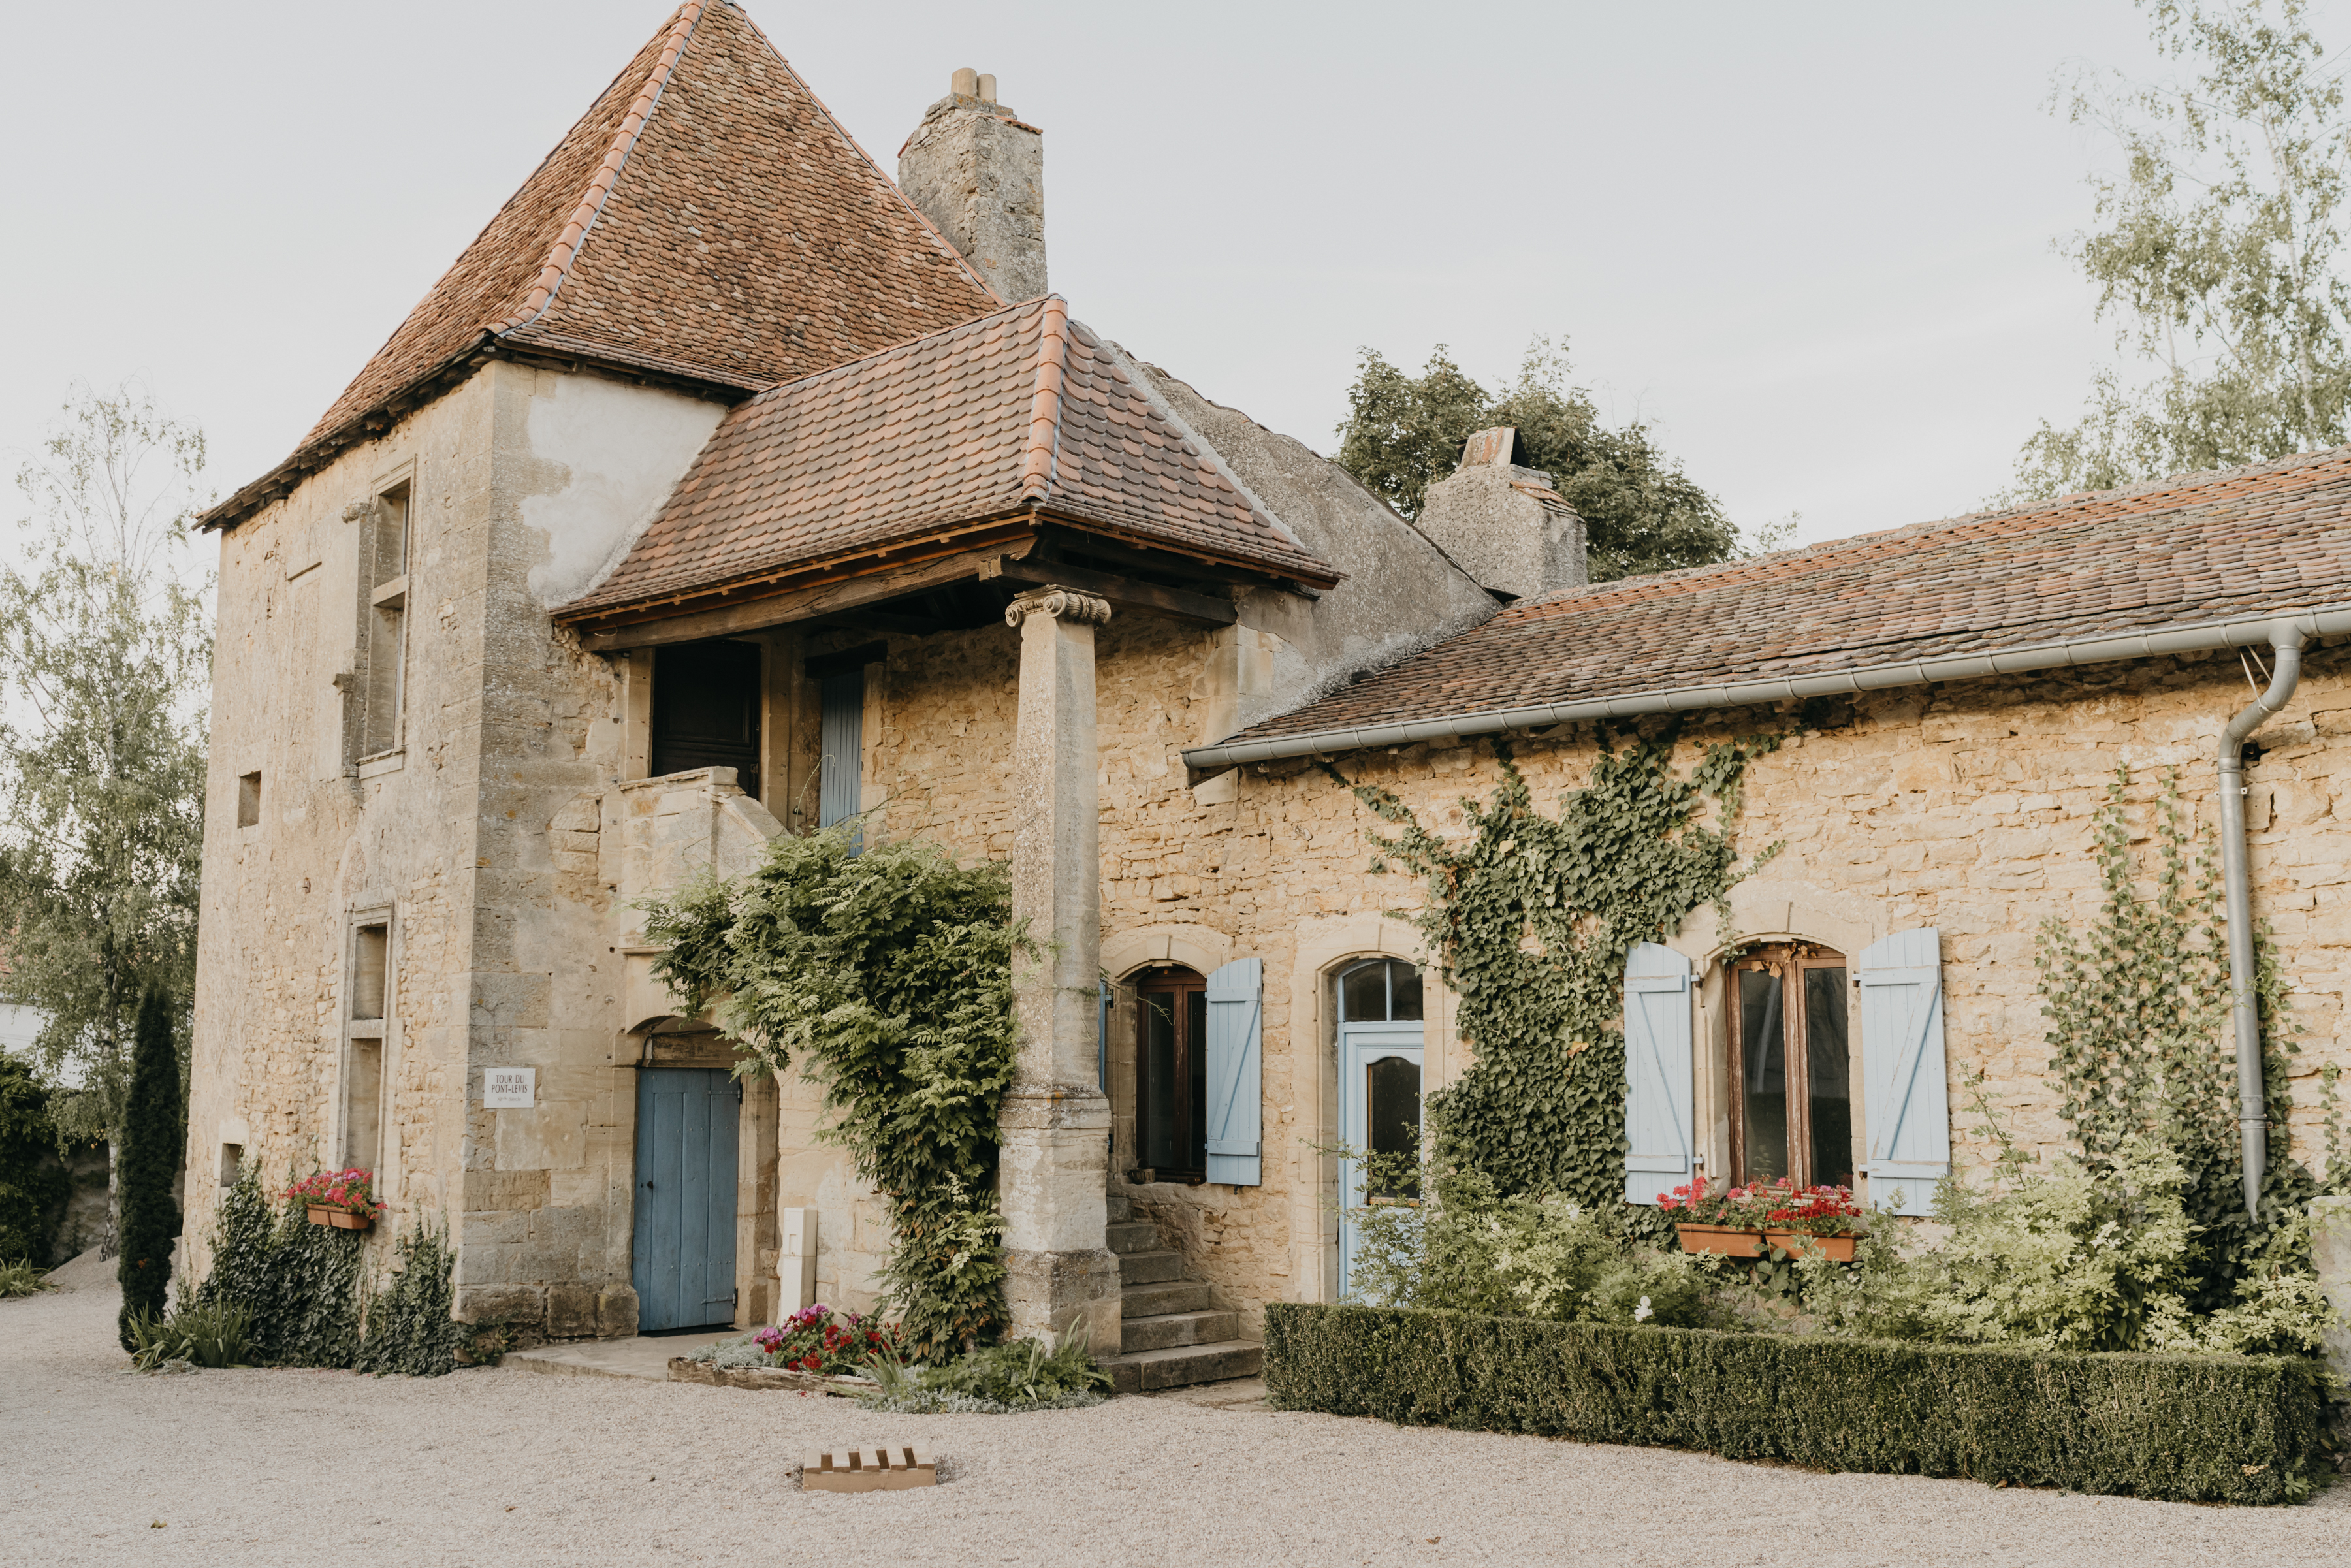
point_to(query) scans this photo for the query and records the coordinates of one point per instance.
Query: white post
(1056, 1121)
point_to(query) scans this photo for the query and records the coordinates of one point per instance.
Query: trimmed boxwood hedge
(2190, 1428)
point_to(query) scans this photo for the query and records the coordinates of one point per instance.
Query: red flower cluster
(352, 1191)
(1759, 1205)
(810, 1341)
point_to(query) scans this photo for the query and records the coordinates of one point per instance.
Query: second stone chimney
(1502, 522)
(978, 174)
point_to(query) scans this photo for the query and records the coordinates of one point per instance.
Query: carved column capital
(1060, 603)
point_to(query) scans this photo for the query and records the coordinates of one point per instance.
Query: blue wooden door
(683, 1259)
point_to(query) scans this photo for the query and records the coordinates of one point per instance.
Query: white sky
(1810, 240)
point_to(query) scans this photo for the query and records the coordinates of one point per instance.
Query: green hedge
(2190, 1428)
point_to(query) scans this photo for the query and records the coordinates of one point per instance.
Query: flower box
(1727, 1240)
(340, 1219)
(1835, 1249)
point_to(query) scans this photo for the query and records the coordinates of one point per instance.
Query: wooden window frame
(1790, 959)
(1190, 989)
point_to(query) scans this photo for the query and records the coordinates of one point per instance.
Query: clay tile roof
(1023, 408)
(707, 219)
(2201, 547)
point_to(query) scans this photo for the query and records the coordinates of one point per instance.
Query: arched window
(1791, 1082)
(1171, 1095)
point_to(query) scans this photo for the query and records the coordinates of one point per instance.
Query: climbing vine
(887, 974)
(2138, 1005)
(1531, 918)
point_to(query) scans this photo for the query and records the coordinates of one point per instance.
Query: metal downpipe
(2244, 1005)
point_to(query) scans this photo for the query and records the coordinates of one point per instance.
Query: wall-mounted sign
(510, 1088)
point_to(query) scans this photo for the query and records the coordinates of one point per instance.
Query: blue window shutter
(1904, 1089)
(1658, 1107)
(1235, 1073)
(840, 732)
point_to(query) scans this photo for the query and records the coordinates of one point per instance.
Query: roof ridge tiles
(1039, 459)
(566, 248)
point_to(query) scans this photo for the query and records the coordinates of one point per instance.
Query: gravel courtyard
(513, 1467)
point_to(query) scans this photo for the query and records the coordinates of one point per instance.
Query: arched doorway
(1380, 1057)
(1791, 1074)
(1171, 1087)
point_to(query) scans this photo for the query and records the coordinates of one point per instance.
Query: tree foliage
(104, 660)
(1641, 513)
(2217, 254)
(887, 976)
(149, 1137)
(1531, 918)
(32, 1182)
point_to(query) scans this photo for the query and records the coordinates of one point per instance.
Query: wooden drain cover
(869, 1469)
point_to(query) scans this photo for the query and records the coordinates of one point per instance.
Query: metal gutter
(2244, 1005)
(2325, 621)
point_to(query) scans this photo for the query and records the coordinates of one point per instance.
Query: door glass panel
(1363, 994)
(1763, 1076)
(1157, 1068)
(1404, 991)
(1391, 1108)
(1830, 1086)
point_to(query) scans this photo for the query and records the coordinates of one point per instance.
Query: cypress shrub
(2187, 1428)
(149, 1141)
(33, 1184)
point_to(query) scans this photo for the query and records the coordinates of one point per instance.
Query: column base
(1054, 1293)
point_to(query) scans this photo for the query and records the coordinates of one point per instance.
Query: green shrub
(1000, 1379)
(149, 1139)
(21, 1278)
(409, 1324)
(300, 1281)
(2190, 1428)
(33, 1183)
(214, 1335)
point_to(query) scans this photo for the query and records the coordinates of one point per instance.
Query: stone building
(726, 488)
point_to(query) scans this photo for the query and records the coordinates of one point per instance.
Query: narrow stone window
(363, 1056)
(383, 571)
(1791, 1099)
(248, 801)
(232, 1163)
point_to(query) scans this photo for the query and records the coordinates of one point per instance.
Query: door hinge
(738, 1092)
(735, 1297)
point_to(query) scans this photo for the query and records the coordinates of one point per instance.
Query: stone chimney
(977, 172)
(1503, 521)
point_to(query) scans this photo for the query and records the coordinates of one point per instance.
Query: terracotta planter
(1835, 1249)
(1729, 1240)
(340, 1219)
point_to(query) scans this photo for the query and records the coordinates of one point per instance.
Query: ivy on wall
(887, 976)
(1530, 919)
(2138, 1005)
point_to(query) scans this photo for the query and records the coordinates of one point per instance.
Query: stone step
(1120, 1207)
(1175, 1296)
(1140, 1372)
(1132, 1236)
(1150, 1267)
(1169, 1330)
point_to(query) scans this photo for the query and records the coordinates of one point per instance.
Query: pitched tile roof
(1020, 409)
(2199, 548)
(707, 218)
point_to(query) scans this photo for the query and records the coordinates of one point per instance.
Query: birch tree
(2217, 254)
(105, 663)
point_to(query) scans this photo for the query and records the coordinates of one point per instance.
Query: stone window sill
(382, 763)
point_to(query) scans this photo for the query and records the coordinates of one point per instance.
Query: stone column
(1056, 1120)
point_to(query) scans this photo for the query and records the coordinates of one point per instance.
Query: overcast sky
(1810, 241)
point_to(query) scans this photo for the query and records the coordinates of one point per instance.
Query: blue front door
(684, 1257)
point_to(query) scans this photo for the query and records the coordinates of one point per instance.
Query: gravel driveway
(507, 1465)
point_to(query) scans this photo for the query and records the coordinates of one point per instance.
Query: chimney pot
(986, 86)
(1501, 444)
(965, 83)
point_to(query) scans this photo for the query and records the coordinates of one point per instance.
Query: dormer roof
(707, 223)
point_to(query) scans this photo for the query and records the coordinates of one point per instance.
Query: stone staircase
(1172, 1336)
